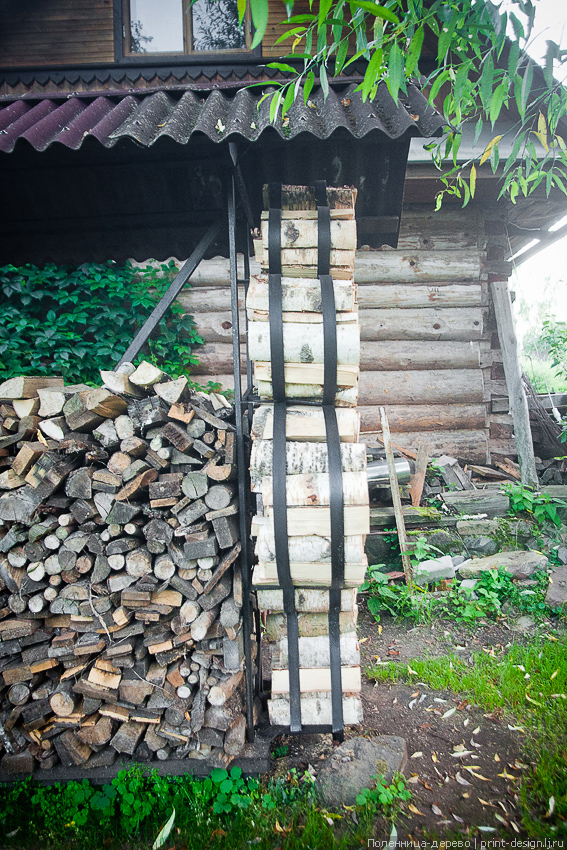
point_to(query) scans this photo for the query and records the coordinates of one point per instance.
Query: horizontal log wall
(429, 348)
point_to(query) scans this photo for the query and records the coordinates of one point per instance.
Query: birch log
(310, 548)
(315, 710)
(303, 458)
(304, 343)
(314, 651)
(343, 398)
(299, 295)
(315, 489)
(306, 423)
(304, 233)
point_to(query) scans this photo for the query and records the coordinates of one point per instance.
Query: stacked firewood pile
(120, 586)
(307, 479)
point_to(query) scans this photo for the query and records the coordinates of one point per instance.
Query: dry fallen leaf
(496, 757)
(474, 744)
(506, 775)
(457, 818)
(413, 780)
(461, 779)
(363, 640)
(486, 803)
(466, 795)
(551, 807)
(417, 755)
(434, 757)
(462, 754)
(487, 828)
(466, 721)
(414, 672)
(516, 728)
(448, 713)
(515, 826)
(415, 811)
(500, 819)
(436, 810)
(412, 703)
(553, 675)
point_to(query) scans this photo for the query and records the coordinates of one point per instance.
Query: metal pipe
(377, 472)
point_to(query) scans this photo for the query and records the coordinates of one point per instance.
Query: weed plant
(224, 810)
(73, 322)
(528, 684)
(493, 589)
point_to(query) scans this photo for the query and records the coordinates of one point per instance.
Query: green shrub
(73, 322)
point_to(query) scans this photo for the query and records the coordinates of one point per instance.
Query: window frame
(123, 56)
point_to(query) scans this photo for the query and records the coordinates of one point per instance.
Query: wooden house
(114, 123)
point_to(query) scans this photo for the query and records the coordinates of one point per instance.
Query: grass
(543, 376)
(131, 811)
(538, 703)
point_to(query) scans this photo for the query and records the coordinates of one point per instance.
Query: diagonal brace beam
(170, 294)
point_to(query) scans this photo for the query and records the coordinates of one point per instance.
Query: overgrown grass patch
(223, 810)
(529, 685)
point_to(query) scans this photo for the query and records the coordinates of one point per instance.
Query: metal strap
(334, 454)
(279, 463)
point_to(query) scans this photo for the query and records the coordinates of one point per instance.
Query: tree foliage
(471, 58)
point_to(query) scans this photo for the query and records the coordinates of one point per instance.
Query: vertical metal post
(241, 466)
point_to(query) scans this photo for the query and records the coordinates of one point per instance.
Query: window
(183, 27)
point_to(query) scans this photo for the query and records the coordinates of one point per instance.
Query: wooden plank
(417, 480)
(396, 500)
(513, 372)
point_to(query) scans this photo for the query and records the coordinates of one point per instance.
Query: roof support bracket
(170, 294)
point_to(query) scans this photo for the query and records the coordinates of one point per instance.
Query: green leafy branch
(480, 69)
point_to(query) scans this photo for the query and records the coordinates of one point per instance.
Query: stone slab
(519, 564)
(354, 764)
(556, 595)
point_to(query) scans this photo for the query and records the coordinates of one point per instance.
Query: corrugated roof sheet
(219, 116)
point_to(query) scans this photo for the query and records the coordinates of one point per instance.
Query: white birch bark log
(303, 423)
(304, 343)
(303, 458)
(306, 600)
(314, 652)
(315, 710)
(300, 295)
(315, 489)
(304, 233)
(309, 549)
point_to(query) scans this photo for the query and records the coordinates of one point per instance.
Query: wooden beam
(397, 502)
(513, 373)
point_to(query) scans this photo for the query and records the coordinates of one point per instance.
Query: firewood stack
(301, 291)
(307, 479)
(120, 587)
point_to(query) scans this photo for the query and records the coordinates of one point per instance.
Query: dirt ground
(452, 793)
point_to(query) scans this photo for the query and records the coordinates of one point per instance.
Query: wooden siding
(80, 32)
(56, 32)
(429, 350)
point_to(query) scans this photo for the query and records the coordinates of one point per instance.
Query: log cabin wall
(429, 346)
